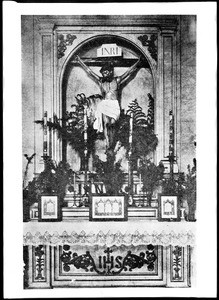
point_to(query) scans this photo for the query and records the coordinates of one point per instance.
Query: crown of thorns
(107, 67)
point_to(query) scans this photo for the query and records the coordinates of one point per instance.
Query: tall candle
(130, 180)
(45, 134)
(171, 143)
(50, 140)
(131, 128)
(140, 181)
(171, 135)
(85, 123)
(85, 142)
(74, 183)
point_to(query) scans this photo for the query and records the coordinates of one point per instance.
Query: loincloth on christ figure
(109, 108)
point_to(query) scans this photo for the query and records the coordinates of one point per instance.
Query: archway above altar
(96, 53)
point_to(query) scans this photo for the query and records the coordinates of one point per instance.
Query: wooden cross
(117, 62)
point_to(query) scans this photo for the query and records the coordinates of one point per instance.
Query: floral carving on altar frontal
(150, 41)
(108, 264)
(39, 263)
(177, 263)
(63, 42)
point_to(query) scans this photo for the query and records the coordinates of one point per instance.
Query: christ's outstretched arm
(121, 79)
(88, 70)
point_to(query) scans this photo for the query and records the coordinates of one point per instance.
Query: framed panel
(168, 208)
(49, 208)
(108, 208)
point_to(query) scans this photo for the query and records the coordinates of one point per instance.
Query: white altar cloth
(109, 233)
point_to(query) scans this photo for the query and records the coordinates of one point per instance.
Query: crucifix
(108, 110)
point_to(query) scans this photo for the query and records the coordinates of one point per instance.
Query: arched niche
(76, 81)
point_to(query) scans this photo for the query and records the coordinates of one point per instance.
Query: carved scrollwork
(63, 43)
(108, 264)
(151, 43)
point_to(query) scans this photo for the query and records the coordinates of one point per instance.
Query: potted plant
(110, 173)
(52, 180)
(151, 175)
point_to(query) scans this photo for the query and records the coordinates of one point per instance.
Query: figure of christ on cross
(108, 110)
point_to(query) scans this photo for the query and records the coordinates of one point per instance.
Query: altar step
(82, 213)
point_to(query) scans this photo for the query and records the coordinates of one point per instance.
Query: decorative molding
(159, 21)
(150, 41)
(63, 43)
(110, 239)
(107, 265)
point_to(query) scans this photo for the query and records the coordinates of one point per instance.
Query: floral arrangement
(72, 132)
(71, 127)
(184, 185)
(144, 141)
(53, 179)
(151, 175)
(110, 174)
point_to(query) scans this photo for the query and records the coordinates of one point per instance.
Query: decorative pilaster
(166, 91)
(43, 55)
(177, 264)
(37, 269)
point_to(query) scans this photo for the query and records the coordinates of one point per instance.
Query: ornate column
(44, 87)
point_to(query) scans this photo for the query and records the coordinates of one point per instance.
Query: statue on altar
(108, 110)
